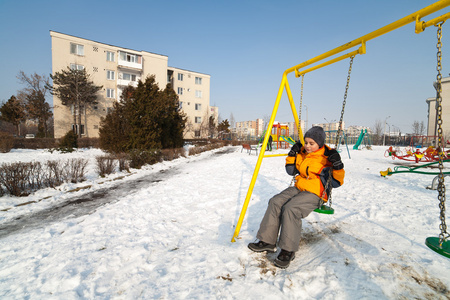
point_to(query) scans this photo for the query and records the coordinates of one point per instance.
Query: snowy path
(171, 240)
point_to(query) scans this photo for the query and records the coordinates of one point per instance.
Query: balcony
(123, 82)
(130, 61)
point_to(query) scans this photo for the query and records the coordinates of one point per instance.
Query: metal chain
(441, 186)
(338, 135)
(300, 108)
(299, 120)
(339, 130)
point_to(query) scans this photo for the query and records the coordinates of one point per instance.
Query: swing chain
(300, 108)
(441, 186)
(344, 102)
(299, 122)
(338, 134)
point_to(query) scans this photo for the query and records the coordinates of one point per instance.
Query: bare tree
(418, 128)
(34, 98)
(232, 121)
(377, 132)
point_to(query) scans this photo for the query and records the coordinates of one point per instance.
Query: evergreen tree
(75, 89)
(13, 111)
(223, 128)
(173, 121)
(38, 109)
(146, 118)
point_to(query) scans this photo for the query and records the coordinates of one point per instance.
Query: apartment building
(249, 129)
(193, 90)
(431, 102)
(114, 68)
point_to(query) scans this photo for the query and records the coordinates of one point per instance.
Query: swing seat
(433, 244)
(324, 209)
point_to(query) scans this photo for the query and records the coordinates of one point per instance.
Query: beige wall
(193, 90)
(94, 60)
(431, 102)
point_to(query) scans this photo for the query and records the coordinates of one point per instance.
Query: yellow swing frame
(361, 42)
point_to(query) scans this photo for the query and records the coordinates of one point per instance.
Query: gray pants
(286, 211)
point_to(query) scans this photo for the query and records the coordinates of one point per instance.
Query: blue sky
(246, 46)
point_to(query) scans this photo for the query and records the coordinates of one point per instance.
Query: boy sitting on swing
(311, 164)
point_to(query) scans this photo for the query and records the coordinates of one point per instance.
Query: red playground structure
(429, 155)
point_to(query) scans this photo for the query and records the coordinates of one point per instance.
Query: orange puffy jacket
(313, 171)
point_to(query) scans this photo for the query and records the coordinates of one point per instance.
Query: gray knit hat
(317, 134)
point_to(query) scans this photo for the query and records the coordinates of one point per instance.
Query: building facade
(114, 68)
(431, 102)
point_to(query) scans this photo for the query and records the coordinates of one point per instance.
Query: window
(198, 80)
(198, 106)
(197, 133)
(109, 56)
(180, 91)
(76, 67)
(198, 120)
(198, 94)
(129, 57)
(128, 76)
(110, 93)
(77, 127)
(180, 77)
(76, 49)
(110, 75)
(180, 105)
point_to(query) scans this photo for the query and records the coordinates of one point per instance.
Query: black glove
(335, 159)
(295, 149)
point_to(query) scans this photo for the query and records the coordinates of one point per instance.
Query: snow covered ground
(171, 239)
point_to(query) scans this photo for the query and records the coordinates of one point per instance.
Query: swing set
(439, 244)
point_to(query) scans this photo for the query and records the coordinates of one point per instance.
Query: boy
(311, 165)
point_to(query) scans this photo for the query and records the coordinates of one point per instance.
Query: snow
(171, 239)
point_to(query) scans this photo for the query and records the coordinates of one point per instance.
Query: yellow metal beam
(414, 17)
(420, 26)
(260, 157)
(275, 155)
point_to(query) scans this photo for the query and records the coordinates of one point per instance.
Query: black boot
(284, 259)
(261, 247)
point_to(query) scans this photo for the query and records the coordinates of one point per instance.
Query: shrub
(171, 154)
(76, 169)
(105, 165)
(14, 178)
(123, 160)
(55, 174)
(68, 142)
(88, 142)
(6, 142)
(141, 158)
(200, 149)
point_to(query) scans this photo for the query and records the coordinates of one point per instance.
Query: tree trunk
(75, 119)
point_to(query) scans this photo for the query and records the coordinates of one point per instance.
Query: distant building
(114, 68)
(246, 130)
(431, 102)
(293, 129)
(356, 130)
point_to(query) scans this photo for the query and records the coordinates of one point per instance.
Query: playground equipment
(440, 244)
(428, 155)
(342, 139)
(412, 169)
(363, 136)
(278, 132)
(287, 139)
